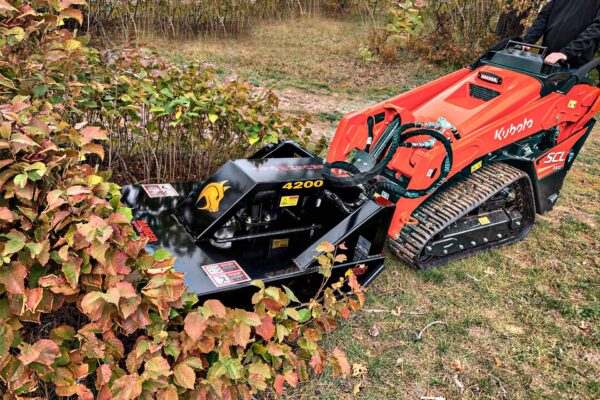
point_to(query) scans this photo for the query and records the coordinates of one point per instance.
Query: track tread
(449, 205)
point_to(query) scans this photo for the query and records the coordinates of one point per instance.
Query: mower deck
(281, 260)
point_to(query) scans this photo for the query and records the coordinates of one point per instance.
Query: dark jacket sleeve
(585, 40)
(538, 28)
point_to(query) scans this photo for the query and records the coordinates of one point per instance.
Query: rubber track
(446, 207)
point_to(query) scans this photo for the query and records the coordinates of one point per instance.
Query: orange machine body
(486, 125)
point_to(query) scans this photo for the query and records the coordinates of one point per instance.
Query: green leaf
(213, 117)
(161, 255)
(290, 294)
(40, 90)
(126, 211)
(21, 180)
(13, 246)
(305, 315)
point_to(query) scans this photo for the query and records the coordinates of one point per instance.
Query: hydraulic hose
(446, 167)
(361, 177)
(398, 140)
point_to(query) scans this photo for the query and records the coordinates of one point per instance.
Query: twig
(504, 392)
(419, 335)
(475, 279)
(431, 398)
(458, 383)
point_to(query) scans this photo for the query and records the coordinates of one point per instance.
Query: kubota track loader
(455, 167)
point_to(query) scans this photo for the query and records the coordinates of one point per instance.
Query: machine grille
(482, 93)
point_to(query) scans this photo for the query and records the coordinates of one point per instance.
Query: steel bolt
(445, 251)
(499, 236)
(485, 240)
(461, 247)
(518, 223)
(473, 243)
(429, 248)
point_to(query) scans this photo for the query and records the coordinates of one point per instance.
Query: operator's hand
(555, 57)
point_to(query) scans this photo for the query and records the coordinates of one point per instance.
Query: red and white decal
(226, 273)
(144, 230)
(157, 191)
(551, 162)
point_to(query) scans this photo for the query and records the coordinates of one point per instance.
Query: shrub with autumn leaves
(84, 310)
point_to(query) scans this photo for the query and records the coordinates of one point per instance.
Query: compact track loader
(455, 167)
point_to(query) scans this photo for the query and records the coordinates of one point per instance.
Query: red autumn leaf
(34, 297)
(6, 215)
(156, 367)
(184, 376)
(345, 313)
(43, 351)
(272, 305)
(13, 276)
(194, 325)
(72, 269)
(116, 263)
(83, 393)
(266, 329)
(342, 362)
(326, 247)
(127, 387)
(317, 363)
(93, 148)
(77, 190)
(103, 374)
(241, 334)
(92, 304)
(291, 378)
(92, 133)
(278, 384)
(214, 308)
(168, 393)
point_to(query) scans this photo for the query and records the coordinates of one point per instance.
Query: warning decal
(289, 201)
(226, 273)
(156, 191)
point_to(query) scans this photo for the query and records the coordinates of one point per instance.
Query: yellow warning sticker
(280, 243)
(572, 104)
(289, 201)
(477, 166)
(484, 221)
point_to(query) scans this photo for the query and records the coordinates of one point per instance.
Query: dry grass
(522, 322)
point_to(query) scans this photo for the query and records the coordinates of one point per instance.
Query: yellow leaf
(359, 370)
(72, 44)
(72, 13)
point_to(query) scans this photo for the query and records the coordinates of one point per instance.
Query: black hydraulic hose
(359, 178)
(397, 141)
(446, 167)
(346, 207)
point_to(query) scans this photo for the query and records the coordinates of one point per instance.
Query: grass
(522, 322)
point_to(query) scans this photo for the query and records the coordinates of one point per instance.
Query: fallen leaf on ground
(359, 370)
(458, 366)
